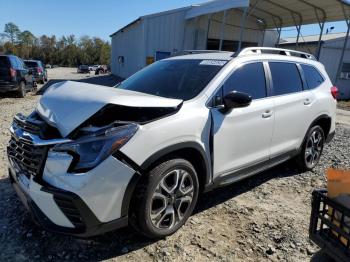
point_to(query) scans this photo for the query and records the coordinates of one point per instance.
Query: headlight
(90, 150)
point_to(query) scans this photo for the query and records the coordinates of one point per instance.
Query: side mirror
(236, 99)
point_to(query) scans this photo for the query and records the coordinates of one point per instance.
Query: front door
(242, 136)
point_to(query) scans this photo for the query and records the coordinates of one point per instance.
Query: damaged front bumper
(82, 205)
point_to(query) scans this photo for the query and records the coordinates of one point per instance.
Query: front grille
(33, 126)
(70, 210)
(28, 157)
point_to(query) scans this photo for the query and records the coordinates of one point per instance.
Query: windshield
(180, 79)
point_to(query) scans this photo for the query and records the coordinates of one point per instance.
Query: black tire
(307, 160)
(21, 90)
(42, 81)
(144, 200)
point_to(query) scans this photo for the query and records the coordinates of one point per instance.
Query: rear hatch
(32, 65)
(4, 69)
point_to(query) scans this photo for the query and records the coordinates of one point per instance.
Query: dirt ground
(263, 218)
(345, 105)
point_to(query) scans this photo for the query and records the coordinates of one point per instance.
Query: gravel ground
(345, 105)
(264, 218)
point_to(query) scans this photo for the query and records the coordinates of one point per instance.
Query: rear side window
(4, 62)
(286, 78)
(250, 79)
(312, 76)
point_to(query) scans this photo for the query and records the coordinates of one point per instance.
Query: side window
(312, 76)
(286, 78)
(14, 62)
(250, 79)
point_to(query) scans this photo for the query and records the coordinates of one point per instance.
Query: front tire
(311, 150)
(165, 198)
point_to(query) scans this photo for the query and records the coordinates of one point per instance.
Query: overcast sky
(96, 18)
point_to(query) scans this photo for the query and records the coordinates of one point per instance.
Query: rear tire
(164, 198)
(21, 90)
(311, 150)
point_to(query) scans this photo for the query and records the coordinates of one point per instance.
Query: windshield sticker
(213, 62)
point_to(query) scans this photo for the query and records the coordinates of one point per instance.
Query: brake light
(39, 70)
(13, 72)
(334, 92)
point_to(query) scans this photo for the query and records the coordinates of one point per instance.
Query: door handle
(267, 114)
(307, 101)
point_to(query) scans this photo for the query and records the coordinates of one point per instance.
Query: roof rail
(191, 52)
(277, 51)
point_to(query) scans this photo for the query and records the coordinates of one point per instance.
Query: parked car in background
(94, 67)
(83, 69)
(38, 70)
(102, 69)
(14, 75)
(48, 66)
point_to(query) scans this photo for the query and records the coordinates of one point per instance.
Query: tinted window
(14, 62)
(286, 78)
(20, 63)
(250, 79)
(4, 62)
(312, 76)
(177, 78)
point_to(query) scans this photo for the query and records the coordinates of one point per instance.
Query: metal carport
(277, 14)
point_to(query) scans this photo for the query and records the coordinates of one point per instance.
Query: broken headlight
(91, 149)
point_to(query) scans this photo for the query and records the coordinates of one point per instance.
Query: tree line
(63, 51)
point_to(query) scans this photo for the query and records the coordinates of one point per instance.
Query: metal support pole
(222, 29)
(343, 53)
(319, 46)
(243, 21)
(298, 27)
(279, 31)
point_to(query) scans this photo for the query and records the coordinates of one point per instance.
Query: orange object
(339, 190)
(338, 182)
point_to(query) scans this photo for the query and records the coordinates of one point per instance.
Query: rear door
(293, 107)
(4, 69)
(242, 136)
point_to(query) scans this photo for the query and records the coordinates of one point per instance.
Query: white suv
(91, 159)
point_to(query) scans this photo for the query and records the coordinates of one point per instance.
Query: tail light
(334, 92)
(39, 70)
(13, 72)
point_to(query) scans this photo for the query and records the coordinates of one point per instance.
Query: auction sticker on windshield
(213, 62)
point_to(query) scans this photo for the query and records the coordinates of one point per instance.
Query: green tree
(12, 31)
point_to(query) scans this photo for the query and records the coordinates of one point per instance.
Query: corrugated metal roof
(311, 38)
(273, 13)
(281, 13)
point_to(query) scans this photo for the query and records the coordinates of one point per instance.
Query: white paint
(102, 189)
(68, 104)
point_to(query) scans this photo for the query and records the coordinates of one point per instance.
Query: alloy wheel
(313, 148)
(171, 199)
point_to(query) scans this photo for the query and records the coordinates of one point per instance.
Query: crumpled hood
(68, 104)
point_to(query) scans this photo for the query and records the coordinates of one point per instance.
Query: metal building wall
(330, 57)
(165, 32)
(171, 32)
(128, 43)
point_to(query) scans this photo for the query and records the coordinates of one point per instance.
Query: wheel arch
(325, 122)
(191, 151)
